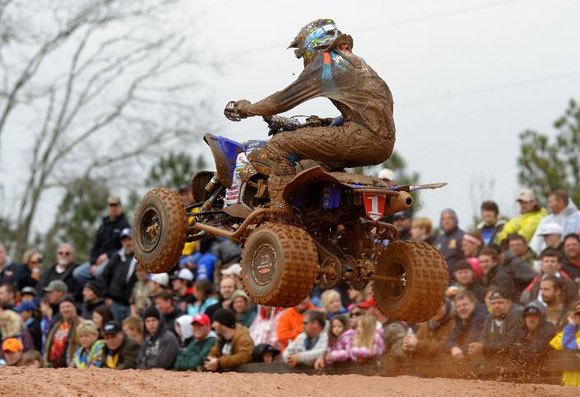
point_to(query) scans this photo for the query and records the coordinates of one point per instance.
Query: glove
(235, 111)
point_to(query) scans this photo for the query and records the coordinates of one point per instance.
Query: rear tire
(159, 229)
(425, 272)
(279, 265)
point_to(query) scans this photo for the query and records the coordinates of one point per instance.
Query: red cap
(368, 303)
(202, 319)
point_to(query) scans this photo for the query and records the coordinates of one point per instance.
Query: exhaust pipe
(403, 201)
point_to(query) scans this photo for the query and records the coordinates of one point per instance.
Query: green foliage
(547, 164)
(78, 218)
(174, 170)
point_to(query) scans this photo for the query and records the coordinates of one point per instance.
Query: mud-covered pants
(348, 145)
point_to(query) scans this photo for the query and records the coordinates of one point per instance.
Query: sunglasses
(355, 314)
(64, 253)
(36, 262)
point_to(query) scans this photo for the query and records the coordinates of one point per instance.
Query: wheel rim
(396, 289)
(150, 229)
(263, 264)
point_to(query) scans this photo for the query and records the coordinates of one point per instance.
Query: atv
(336, 232)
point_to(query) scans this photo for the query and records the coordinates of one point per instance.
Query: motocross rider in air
(367, 133)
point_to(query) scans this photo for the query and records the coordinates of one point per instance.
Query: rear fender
(225, 152)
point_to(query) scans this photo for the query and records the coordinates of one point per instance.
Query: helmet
(314, 36)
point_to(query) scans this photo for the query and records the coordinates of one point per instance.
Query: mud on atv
(334, 234)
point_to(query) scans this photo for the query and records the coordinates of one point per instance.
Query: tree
(95, 87)
(545, 164)
(78, 217)
(174, 170)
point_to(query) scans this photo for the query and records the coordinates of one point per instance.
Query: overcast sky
(467, 77)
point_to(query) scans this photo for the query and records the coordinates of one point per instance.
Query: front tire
(420, 295)
(279, 265)
(159, 228)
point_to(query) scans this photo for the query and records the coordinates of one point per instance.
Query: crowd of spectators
(513, 295)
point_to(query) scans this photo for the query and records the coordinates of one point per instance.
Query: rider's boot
(276, 186)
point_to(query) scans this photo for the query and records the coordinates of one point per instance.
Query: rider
(367, 133)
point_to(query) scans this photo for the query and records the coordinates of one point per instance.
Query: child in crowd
(32, 359)
(338, 326)
(331, 303)
(361, 344)
(90, 354)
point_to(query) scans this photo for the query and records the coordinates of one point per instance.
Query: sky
(466, 76)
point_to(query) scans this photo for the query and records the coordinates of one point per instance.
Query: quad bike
(335, 232)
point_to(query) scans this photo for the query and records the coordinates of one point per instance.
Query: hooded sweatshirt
(531, 346)
(158, 350)
(449, 243)
(569, 220)
(186, 330)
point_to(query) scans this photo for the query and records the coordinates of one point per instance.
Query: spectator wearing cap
(387, 175)
(429, 340)
(91, 299)
(234, 345)
(160, 347)
(264, 353)
(403, 221)
(107, 242)
(203, 298)
(91, 350)
(243, 307)
(120, 350)
(470, 246)
(531, 343)
(11, 327)
(550, 266)
(422, 230)
(29, 294)
(499, 329)
(571, 261)
(184, 331)
(465, 279)
(569, 340)
(203, 340)
(63, 271)
(119, 278)
(61, 342)
(183, 287)
(551, 234)
(233, 271)
(563, 212)
(165, 303)
(490, 225)
(449, 242)
(527, 222)
(310, 344)
(54, 292)
(263, 328)
(291, 322)
(227, 288)
(30, 322)
(133, 328)
(518, 247)
(7, 294)
(158, 283)
(142, 293)
(12, 351)
(470, 316)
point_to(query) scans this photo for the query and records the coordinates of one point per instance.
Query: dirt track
(98, 383)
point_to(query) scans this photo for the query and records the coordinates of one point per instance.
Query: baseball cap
(56, 285)
(126, 232)
(225, 317)
(232, 270)
(112, 327)
(368, 303)
(387, 173)
(550, 228)
(114, 200)
(25, 306)
(202, 319)
(526, 195)
(28, 291)
(185, 274)
(532, 310)
(497, 295)
(160, 278)
(12, 345)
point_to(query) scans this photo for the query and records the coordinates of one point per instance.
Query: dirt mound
(103, 382)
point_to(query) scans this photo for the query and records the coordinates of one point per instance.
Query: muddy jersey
(354, 88)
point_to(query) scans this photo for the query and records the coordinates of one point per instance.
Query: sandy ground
(69, 382)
